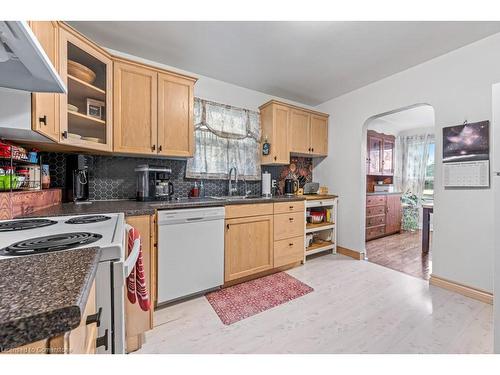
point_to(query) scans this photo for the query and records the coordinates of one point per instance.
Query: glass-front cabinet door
(388, 157)
(374, 159)
(86, 111)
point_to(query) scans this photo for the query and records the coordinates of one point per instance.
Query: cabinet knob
(153, 147)
(275, 158)
(290, 244)
(94, 318)
(312, 149)
(309, 149)
(43, 120)
(227, 226)
(159, 148)
(290, 207)
(103, 340)
(290, 218)
(65, 134)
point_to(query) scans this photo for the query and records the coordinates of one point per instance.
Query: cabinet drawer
(375, 232)
(375, 210)
(288, 225)
(247, 210)
(288, 251)
(375, 200)
(284, 207)
(375, 220)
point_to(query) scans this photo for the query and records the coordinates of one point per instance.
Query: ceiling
(308, 62)
(405, 120)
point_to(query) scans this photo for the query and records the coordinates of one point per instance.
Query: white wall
(458, 86)
(215, 90)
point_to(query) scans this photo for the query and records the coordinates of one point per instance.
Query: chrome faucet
(233, 189)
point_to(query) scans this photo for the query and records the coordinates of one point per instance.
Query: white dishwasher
(190, 252)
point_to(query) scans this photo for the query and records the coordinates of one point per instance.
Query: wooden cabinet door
(248, 246)
(319, 135)
(45, 106)
(279, 145)
(299, 132)
(138, 321)
(175, 116)
(388, 157)
(393, 214)
(96, 132)
(374, 151)
(135, 109)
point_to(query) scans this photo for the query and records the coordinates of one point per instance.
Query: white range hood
(23, 62)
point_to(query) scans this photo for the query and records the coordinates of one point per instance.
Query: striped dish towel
(136, 282)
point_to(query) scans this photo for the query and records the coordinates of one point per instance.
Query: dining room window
(225, 137)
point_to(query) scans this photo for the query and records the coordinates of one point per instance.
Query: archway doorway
(400, 189)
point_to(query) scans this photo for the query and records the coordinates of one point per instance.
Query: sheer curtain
(412, 152)
(225, 136)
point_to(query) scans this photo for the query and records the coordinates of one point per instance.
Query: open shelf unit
(324, 233)
(12, 182)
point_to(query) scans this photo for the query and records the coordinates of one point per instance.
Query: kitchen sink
(236, 197)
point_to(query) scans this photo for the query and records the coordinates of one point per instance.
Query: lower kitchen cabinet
(82, 339)
(248, 245)
(288, 251)
(383, 215)
(137, 321)
(262, 237)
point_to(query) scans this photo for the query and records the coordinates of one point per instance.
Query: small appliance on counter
(384, 188)
(266, 185)
(153, 183)
(77, 172)
(291, 185)
(311, 188)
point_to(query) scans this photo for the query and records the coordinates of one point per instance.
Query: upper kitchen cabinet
(275, 120)
(319, 135)
(86, 111)
(153, 111)
(292, 130)
(175, 115)
(45, 106)
(300, 132)
(135, 105)
(380, 151)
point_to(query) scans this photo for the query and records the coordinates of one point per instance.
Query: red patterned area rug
(252, 297)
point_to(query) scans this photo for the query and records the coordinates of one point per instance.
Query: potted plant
(411, 211)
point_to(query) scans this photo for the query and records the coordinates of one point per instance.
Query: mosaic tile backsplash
(113, 177)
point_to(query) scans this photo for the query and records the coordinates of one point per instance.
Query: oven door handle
(130, 262)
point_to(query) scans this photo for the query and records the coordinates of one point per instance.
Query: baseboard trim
(350, 253)
(468, 291)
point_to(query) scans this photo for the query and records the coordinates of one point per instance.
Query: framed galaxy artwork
(467, 142)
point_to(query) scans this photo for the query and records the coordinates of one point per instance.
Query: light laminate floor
(356, 307)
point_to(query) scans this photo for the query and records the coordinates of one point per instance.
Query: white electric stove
(30, 237)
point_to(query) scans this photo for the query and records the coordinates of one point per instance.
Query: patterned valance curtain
(225, 136)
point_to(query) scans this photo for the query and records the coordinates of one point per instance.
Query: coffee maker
(153, 183)
(77, 177)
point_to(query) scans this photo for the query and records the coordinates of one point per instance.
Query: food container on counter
(317, 217)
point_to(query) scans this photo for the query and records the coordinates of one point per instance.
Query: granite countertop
(44, 295)
(135, 208)
(385, 193)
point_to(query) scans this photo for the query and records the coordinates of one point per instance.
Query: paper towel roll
(266, 184)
